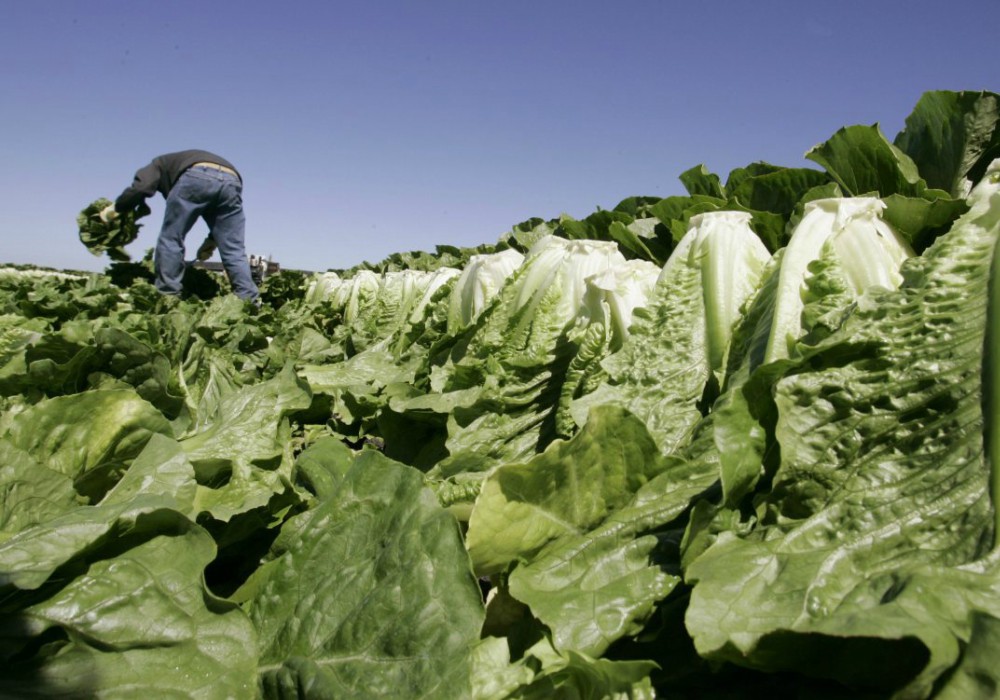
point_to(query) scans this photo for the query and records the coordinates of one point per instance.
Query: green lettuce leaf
(595, 587)
(29, 492)
(128, 612)
(576, 675)
(90, 437)
(384, 603)
(241, 454)
(952, 137)
(864, 162)
(568, 489)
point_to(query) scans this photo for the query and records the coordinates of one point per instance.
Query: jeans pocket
(231, 193)
(194, 188)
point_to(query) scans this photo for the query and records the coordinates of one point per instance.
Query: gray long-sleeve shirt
(161, 174)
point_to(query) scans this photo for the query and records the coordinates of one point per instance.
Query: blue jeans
(216, 197)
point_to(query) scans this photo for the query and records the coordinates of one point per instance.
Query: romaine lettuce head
(537, 346)
(101, 236)
(479, 283)
(419, 289)
(730, 259)
(557, 263)
(845, 232)
(613, 295)
(679, 342)
(321, 286)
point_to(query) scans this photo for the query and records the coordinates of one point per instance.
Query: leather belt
(216, 166)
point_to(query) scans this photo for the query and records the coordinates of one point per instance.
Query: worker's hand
(206, 249)
(108, 214)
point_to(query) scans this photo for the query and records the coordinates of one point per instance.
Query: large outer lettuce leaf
(568, 489)
(921, 219)
(882, 474)
(31, 493)
(30, 558)
(601, 584)
(90, 437)
(864, 162)
(943, 134)
(771, 188)
(241, 455)
(595, 587)
(952, 137)
(370, 594)
(161, 468)
(133, 619)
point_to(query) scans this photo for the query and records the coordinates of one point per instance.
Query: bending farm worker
(195, 184)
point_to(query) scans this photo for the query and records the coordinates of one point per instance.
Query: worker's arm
(144, 185)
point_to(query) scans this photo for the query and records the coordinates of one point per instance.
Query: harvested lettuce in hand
(109, 236)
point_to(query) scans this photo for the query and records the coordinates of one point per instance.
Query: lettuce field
(737, 443)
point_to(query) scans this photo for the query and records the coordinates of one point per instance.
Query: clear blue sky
(373, 127)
